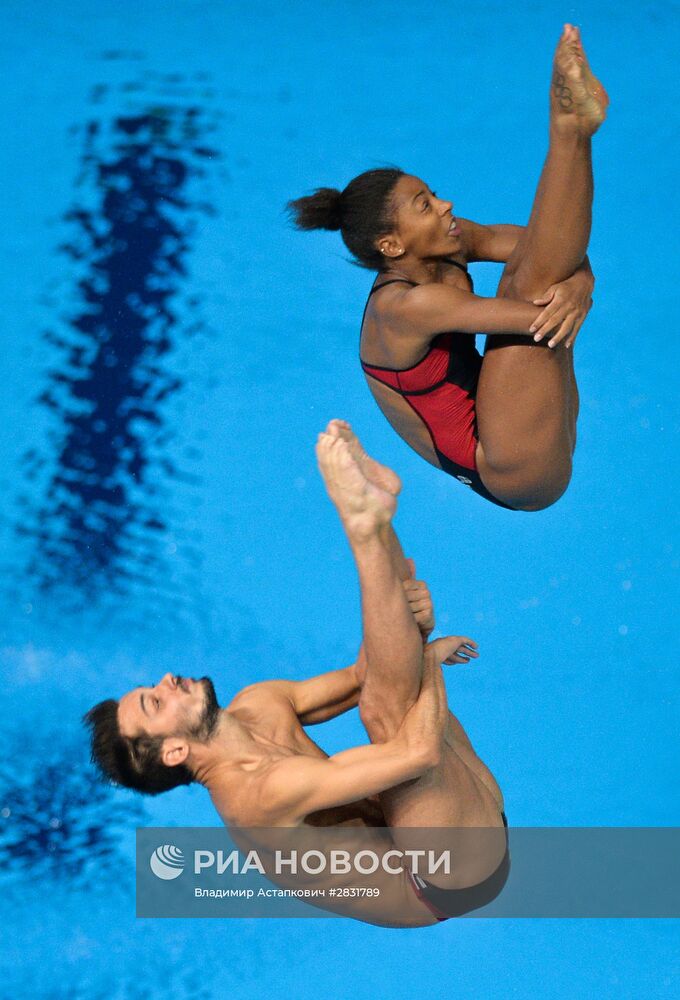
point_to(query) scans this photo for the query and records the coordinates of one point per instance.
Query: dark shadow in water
(100, 513)
(59, 823)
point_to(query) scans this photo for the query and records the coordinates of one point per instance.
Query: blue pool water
(162, 509)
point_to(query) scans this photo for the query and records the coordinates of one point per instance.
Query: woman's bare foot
(363, 507)
(379, 475)
(577, 98)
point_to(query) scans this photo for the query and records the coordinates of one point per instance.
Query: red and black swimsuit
(441, 388)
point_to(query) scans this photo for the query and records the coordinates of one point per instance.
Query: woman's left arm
(567, 304)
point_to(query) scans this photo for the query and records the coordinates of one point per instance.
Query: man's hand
(566, 306)
(454, 649)
(420, 601)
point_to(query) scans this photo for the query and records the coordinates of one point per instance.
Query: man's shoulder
(238, 797)
(271, 693)
(260, 797)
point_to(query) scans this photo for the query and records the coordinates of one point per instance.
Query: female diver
(504, 424)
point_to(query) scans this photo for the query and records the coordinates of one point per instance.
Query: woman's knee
(505, 287)
(514, 480)
(520, 283)
(527, 496)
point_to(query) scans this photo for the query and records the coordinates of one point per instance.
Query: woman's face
(424, 226)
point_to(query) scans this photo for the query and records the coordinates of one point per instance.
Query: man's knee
(382, 720)
(373, 724)
(377, 721)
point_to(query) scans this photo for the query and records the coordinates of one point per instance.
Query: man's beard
(206, 725)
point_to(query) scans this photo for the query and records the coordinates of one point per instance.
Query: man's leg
(391, 660)
(382, 476)
(454, 795)
(392, 642)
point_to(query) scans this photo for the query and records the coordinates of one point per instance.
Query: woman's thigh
(524, 417)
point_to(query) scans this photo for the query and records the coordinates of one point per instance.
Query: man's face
(176, 706)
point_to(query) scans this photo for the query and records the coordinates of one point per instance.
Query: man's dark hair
(362, 213)
(133, 762)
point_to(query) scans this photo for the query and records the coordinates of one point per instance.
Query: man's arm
(319, 698)
(296, 786)
(301, 785)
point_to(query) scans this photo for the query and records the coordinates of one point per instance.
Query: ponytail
(363, 212)
(320, 210)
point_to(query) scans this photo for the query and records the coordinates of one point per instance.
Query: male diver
(261, 768)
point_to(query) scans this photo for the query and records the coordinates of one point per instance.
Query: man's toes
(339, 428)
(341, 451)
(347, 458)
(323, 445)
(336, 452)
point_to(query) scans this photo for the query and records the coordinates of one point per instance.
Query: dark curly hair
(362, 213)
(133, 762)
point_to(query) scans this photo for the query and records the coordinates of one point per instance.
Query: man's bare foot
(363, 507)
(577, 98)
(380, 475)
